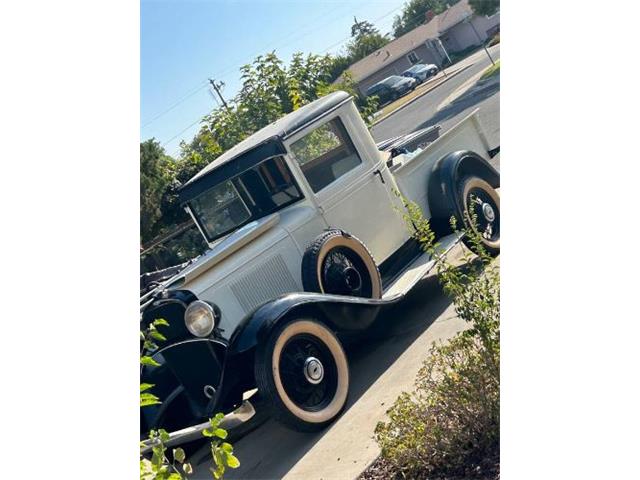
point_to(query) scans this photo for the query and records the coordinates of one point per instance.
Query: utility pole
(216, 87)
(481, 41)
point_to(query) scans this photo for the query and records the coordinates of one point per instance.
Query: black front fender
(340, 313)
(344, 315)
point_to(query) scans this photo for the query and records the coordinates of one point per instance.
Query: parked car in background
(392, 88)
(421, 72)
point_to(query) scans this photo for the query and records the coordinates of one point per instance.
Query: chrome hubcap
(488, 212)
(313, 370)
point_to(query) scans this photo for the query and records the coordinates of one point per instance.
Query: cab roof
(265, 143)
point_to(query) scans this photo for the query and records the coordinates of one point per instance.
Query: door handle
(379, 173)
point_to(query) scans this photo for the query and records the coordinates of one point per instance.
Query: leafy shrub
(449, 425)
(159, 467)
(494, 40)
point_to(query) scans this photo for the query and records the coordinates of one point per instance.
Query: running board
(417, 269)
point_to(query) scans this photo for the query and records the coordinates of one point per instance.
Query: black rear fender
(443, 184)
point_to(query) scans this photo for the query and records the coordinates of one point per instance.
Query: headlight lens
(200, 318)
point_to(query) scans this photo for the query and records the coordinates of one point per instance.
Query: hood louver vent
(263, 282)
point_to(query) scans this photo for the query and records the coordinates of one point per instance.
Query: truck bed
(412, 170)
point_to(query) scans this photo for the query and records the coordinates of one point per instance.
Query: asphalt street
(423, 112)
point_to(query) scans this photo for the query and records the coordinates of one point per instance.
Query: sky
(183, 43)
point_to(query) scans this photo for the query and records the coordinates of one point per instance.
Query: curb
(433, 87)
(466, 87)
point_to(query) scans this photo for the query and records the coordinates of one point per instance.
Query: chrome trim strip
(240, 415)
(191, 340)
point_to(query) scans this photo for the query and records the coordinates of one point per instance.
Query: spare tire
(339, 264)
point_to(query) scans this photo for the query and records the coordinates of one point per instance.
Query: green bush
(159, 467)
(449, 425)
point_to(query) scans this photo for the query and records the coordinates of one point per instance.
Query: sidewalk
(471, 86)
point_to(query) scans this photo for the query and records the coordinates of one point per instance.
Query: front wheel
(481, 203)
(303, 373)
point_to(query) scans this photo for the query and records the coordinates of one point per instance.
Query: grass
(491, 71)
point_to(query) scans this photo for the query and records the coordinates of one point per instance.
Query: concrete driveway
(382, 366)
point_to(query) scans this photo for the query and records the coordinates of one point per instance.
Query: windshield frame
(256, 211)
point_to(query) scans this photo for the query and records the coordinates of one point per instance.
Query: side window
(325, 154)
(413, 58)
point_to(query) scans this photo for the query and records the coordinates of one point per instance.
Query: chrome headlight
(200, 318)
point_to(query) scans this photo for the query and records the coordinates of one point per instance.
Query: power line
(181, 132)
(231, 69)
(323, 51)
(174, 105)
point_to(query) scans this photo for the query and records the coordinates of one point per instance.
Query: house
(451, 31)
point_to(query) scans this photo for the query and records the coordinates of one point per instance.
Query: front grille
(263, 282)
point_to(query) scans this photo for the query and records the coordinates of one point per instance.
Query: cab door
(350, 183)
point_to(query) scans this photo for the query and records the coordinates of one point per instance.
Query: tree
(360, 29)
(414, 13)
(270, 89)
(156, 175)
(484, 7)
(365, 39)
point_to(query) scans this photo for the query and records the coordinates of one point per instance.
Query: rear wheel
(303, 373)
(481, 201)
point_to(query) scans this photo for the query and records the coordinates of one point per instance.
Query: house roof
(399, 47)
(454, 15)
(263, 144)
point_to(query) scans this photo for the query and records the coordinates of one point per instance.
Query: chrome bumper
(240, 415)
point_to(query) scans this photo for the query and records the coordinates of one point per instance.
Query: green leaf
(147, 360)
(220, 433)
(157, 335)
(179, 455)
(227, 447)
(232, 461)
(188, 469)
(164, 436)
(219, 458)
(147, 399)
(146, 386)
(160, 321)
(208, 432)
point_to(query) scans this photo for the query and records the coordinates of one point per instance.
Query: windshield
(414, 69)
(391, 80)
(246, 197)
(221, 209)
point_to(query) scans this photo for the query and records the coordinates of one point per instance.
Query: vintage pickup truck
(307, 246)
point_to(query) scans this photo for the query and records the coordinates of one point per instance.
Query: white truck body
(261, 260)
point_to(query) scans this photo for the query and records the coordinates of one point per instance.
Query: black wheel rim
(294, 357)
(485, 212)
(344, 273)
